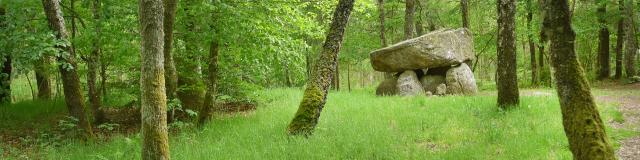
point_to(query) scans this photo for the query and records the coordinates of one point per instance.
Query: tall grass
(358, 125)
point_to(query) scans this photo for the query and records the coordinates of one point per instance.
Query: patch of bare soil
(629, 105)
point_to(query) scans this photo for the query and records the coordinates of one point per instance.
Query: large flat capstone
(436, 49)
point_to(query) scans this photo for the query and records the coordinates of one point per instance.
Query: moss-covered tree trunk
(315, 94)
(212, 82)
(603, 45)
(155, 145)
(43, 80)
(170, 76)
(409, 19)
(582, 124)
(93, 64)
(464, 7)
(631, 42)
(68, 67)
(620, 41)
(507, 81)
(191, 87)
(5, 76)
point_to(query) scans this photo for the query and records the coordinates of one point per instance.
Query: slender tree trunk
(409, 19)
(170, 76)
(70, 79)
(103, 80)
(631, 43)
(153, 100)
(349, 76)
(603, 45)
(506, 79)
(5, 76)
(191, 92)
(383, 40)
(583, 126)
(308, 114)
(210, 96)
(419, 26)
(464, 6)
(42, 78)
(620, 38)
(93, 65)
(532, 45)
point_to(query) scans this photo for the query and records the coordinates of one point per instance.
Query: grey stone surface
(460, 80)
(409, 85)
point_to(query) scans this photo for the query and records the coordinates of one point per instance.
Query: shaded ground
(627, 97)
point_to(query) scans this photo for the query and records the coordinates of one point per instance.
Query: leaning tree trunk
(631, 43)
(532, 45)
(315, 94)
(464, 6)
(68, 67)
(41, 67)
(212, 82)
(620, 41)
(409, 19)
(5, 76)
(155, 143)
(603, 45)
(507, 81)
(582, 124)
(93, 65)
(170, 76)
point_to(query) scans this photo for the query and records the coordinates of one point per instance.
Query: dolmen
(436, 63)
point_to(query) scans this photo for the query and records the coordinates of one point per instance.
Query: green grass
(359, 125)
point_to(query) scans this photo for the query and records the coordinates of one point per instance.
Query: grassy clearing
(358, 125)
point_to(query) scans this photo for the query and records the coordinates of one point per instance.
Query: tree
(170, 76)
(464, 6)
(191, 87)
(582, 124)
(212, 82)
(5, 74)
(93, 64)
(315, 94)
(603, 45)
(532, 45)
(620, 40)
(67, 66)
(631, 43)
(409, 19)
(155, 143)
(506, 79)
(41, 69)
(381, 17)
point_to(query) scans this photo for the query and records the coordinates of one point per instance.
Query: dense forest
(319, 79)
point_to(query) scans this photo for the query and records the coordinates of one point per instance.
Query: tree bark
(383, 40)
(582, 124)
(409, 19)
(153, 100)
(631, 43)
(419, 26)
(308, 114)
(171, 77)
(506, 79)
(68, 67)
(93, 65)
(620, 38)
(532, 45)
(210, 96)
(43, 80)
(5, 76)
(603, 45)
(464, 6)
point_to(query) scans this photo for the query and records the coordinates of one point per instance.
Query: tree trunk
(532, 45)
(409, 19)
(419, 26)
(170, 76)
(68, 67)
(5, 76)
(631, 43)
(210, 96)
(620, 41)
(191, 92)
(103, 80)
(42, 78)
(603, 45)
(308, 114)
(506, 79)
(583, 126)
(383, 41)
(93, 65)
(153, 100)
(349, 76)
(464, 6)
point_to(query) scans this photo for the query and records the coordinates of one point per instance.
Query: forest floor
(354, 125)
